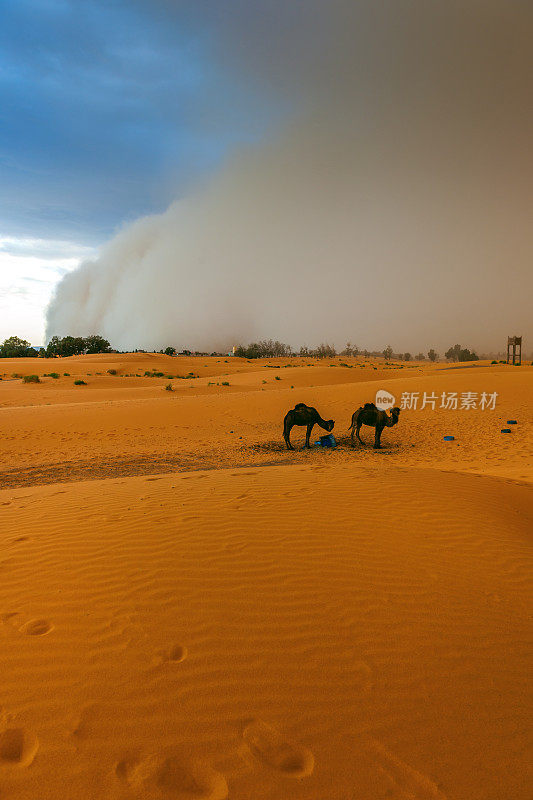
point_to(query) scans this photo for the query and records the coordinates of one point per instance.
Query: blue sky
(108, 110)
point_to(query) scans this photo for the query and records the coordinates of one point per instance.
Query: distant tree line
(389, 354)
(272, 349)
(14, 347)
(268, 348)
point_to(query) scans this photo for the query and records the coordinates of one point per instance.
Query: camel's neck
(392, 419)
(322, 423)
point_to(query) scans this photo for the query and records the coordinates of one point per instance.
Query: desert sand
(190, 611)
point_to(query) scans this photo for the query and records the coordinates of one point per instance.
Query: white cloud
(29, 270)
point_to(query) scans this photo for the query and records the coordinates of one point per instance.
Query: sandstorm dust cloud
(393, 206)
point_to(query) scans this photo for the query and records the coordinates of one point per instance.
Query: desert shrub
(66, 374)
(31, 379)
(111, 372)
(277, 378)
(158, 374)
(79, 383)
(225, 383)
(494, 361)
(169, 387)
(54, 375)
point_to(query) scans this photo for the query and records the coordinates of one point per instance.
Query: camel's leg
(357, 432)
(377, 439)
(287, 427)
(352, 426)
(308, 434)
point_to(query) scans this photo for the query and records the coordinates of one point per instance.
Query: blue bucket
(449, 438)
(512, 422)
(327, 441)
(506, 430)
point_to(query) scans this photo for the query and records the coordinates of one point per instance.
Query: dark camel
(375, 418)
(303, 415)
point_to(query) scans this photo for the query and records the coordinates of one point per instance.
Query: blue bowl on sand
(448, 438)
(506, 430)
(511, 422)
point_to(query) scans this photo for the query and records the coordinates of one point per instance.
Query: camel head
(329, 424)
(395, 413)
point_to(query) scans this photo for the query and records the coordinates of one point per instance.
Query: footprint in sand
(176, 654)
(6, 618)
(173, 655)
(363, 677)
(408, 781)
(17, 747)
(36, 627)
(172, 777)
(270, 747)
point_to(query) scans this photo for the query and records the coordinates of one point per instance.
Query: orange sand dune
(188, 610)
(146, 430)
(110, 377)
(304, 631)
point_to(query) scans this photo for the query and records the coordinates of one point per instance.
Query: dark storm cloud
(101, 113)
(399, 187)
